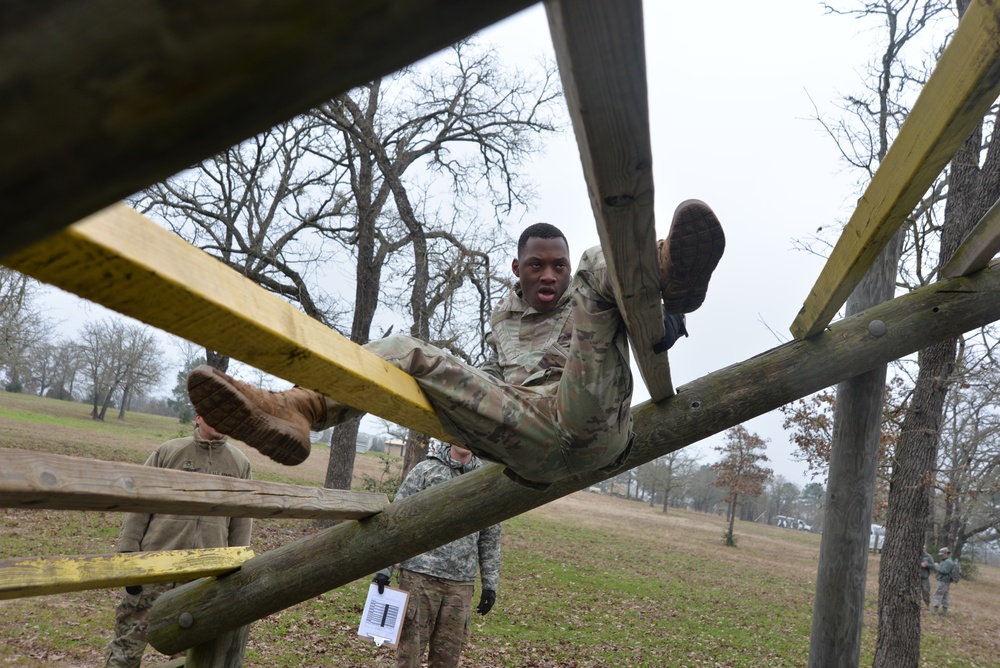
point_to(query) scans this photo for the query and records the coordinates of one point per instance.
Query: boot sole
(224, 407)
(695, 244)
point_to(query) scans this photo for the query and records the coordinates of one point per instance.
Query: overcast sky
(732, 89)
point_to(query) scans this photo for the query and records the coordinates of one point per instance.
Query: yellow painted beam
(965, 82)
(39, 576)
(978, 248)
(601, 54)
(124, 261)
(60, 482)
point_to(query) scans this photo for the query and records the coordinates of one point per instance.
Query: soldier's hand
(133, 589)
(381, 579)
(486, 601)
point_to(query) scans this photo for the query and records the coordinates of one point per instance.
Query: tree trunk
(416, 450)
(217, 360)
(126, 395)
(838, 609)
(971, 192)
(343, 444)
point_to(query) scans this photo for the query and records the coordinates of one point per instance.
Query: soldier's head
(205, 431)
(944, 552)
(543, 266)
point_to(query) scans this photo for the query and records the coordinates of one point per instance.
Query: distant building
(394, 447)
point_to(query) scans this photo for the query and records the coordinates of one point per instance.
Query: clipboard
(383, 615)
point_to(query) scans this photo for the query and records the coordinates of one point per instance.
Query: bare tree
(366, 171)
(263, 208)
(119, 359)
(22, 328)
(468, 121)
(740, 470)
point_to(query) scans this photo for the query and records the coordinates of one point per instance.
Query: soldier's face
(544, 269)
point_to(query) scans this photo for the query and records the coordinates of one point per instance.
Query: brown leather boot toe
(275, 423)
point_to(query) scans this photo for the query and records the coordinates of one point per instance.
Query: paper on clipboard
(382, 618)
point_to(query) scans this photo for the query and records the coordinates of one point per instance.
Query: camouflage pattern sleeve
(489, 557)
(492, 365)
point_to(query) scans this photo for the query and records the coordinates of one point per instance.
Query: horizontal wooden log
(730, 396)
(965, 82)
(978, 248)
(59, 482)
(40, 576)
(124, 261)
(103, 97)
(601, 54)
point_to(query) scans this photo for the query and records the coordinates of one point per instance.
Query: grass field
(586, 581)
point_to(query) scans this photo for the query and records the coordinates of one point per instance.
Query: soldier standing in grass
(926, 565)
(945, 571)
(554, 399)
(440, 582)
(205, 452)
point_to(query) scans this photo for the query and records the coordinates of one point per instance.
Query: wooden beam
(965, 82)
(59, 482)
(40, 576)
(334, 557)
(601, 54)
(122, 260)
(101, 98)
(978, 248)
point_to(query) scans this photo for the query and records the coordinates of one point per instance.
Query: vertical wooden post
(838, 609)
(224, 651)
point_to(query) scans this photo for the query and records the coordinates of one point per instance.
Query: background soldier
(205, 452)
(440, 582)
(944, 578)
(926, 565)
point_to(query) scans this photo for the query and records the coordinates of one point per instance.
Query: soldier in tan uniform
(205, 452)
(554, 398)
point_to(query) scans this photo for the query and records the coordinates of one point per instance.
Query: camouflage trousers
(542, 432)
(131, 620)
(439, 614)
(925, 590)
(941, 594)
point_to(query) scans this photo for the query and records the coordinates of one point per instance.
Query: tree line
(110, 363)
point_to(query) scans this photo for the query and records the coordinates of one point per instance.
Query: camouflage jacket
(529, 348)
(944, 570)
(143, 532)
(459, 559)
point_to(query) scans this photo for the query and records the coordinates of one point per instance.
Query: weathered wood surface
(226, 651)
(124, 261)
(59, 482)
(39, 576)
(965, 82)
(839, 602)
(730, 396)
(601, 54)
(104, 97)
(976, 251)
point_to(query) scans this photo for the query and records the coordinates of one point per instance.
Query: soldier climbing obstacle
(554, 398)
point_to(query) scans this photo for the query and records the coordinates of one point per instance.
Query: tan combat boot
(276, 423)
(689, 255)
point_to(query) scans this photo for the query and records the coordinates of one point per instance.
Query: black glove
(381, 579)
(486, 601)
(133, 589)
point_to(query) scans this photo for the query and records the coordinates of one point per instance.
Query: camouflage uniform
(143, 532)
(554, 398)
(925, 578)
(440, 582)
(944, 570)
